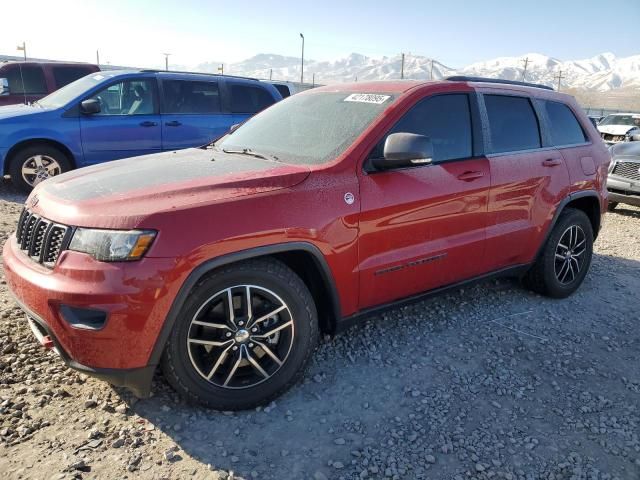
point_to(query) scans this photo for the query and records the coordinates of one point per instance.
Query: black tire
(546, 274)
(184, 374)
(612, 206)
(20, 158)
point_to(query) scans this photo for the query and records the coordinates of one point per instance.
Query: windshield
(631, 120)
(308, 128)
(69, 92)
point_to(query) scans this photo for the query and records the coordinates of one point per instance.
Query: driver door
(424, 227)
(127, 125)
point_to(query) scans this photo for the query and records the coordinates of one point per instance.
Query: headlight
(112, 245)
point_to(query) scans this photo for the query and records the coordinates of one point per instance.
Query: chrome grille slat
(41, 239)
(630, 170)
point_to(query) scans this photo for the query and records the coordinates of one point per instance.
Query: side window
(249, 99)
(513, 123)
(446, 119)
(565, 129)
(65, 75)
(184, 96)
(33, 77)
(130, 97)
(283, 89)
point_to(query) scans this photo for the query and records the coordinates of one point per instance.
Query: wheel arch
(36, 141)
(305, 259)
(587, 201)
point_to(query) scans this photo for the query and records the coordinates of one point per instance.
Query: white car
(619, 127)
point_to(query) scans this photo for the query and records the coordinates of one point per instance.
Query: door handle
(173, 123)
(551, 162)
(148, 123)
(471, 175)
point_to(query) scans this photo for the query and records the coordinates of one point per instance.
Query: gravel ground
(487, 382)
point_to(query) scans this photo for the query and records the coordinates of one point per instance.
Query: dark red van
(26, 82)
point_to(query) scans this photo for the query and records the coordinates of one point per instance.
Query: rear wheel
(565, 258)
(34, 164)
(243, 337)
(612, 206)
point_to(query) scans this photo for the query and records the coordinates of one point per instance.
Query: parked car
(224, 264)
(111, 115)
(619, 127)
(26, 82)
(594, 120)
(287, 89)
(623, 182)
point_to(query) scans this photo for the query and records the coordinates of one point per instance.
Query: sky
(138, 32)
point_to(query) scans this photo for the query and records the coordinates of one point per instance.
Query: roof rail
(463, 78)
(154, 70)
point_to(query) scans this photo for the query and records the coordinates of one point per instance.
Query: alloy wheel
(240, 336)
(569, 255)
(38, 168)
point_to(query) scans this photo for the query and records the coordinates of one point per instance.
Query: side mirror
(405, 150)
(234, 127)
(4, 87)
(90, 106)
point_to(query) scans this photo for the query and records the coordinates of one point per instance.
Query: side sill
(348, 322)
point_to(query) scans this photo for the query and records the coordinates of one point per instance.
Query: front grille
(607, 137)
(630, 170)
(41, 239)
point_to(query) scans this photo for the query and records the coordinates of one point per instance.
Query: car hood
(20, 110)
(122, 193)
(615, 129)
(626, 150)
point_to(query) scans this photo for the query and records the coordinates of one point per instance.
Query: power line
(526, 63)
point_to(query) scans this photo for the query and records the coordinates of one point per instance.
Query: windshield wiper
(248, 151)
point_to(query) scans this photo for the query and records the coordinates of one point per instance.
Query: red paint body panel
(407, 231)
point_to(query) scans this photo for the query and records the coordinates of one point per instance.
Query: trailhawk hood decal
(138, 187)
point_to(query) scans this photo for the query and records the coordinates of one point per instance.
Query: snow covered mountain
(603, 73)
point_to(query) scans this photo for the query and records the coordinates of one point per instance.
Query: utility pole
(23, 47)
(270, 73)
(221, 69)
(166, 61)
(302, 61)
(313, 80)
(98, 57)
(431, 73)
(402, 68)
(524, 72)
(559, 77)
(356, 78)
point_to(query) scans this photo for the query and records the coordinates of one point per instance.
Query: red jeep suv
(224, 263)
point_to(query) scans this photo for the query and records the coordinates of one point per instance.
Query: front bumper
(135, 296)
(623, 190)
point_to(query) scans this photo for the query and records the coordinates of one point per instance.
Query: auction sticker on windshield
(367, 98)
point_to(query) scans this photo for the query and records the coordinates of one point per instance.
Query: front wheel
(565, 258)
(34, 164)
(243, 337)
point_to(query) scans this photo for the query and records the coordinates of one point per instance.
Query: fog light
(83, 318)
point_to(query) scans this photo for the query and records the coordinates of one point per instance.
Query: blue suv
(110, 115)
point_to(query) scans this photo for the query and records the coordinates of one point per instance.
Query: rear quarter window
(249, 98)
(65, 75)
(512, 122)
(563, 124)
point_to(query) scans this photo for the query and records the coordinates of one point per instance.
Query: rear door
(424, 227)
(247, 99)
(128, 124)
(192, 113)
(529, 178)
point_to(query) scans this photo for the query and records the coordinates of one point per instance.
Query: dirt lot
(487, 382)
